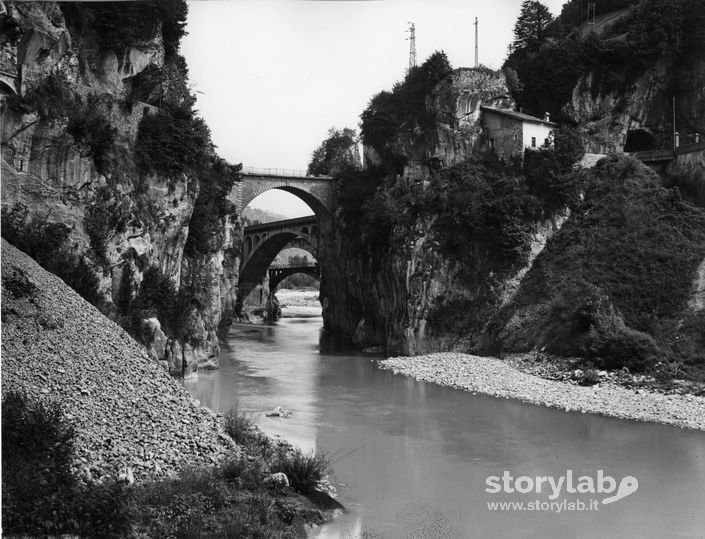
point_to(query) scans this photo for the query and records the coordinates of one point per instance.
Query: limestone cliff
(81, 85)
(387, 282)
(613, 120)
(475, 254)
(457, 100)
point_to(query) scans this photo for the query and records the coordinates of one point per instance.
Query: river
(411, 459)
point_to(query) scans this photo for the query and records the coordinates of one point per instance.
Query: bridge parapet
(280, 173)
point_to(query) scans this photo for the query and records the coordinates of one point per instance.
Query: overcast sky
(272, 77)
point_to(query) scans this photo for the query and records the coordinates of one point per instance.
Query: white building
(509, 132)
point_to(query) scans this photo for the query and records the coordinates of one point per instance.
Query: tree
(532, 25)
(334, 154)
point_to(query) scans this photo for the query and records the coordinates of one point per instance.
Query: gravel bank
(126, 410)
(494, 377)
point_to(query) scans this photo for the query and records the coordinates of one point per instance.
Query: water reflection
(412, 458)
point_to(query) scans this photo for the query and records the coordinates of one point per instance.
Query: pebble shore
(127, 411)
(490, 376)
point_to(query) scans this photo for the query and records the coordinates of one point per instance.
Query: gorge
(546, 216)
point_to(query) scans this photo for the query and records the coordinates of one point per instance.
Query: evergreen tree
(532, 25)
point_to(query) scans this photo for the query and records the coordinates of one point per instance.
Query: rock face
(607, 119)
(400, 303)
(457, 101)
(130, 416)
(50, 177)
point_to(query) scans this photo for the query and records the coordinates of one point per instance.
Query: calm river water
(410, 459)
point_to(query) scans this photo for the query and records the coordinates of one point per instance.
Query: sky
(273, 76)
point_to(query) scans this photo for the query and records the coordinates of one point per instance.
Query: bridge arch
(263, 242)
(277, 275)
(318, 192)
(317, 206)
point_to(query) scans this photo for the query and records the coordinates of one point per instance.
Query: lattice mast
(412, 46)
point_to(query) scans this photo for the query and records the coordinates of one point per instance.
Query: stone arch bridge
(262, 243)
(316, 191)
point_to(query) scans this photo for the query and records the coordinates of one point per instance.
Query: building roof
(519, 116)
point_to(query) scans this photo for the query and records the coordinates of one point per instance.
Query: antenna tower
(477, 63)
(412, 46)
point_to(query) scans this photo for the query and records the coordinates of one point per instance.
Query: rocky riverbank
(490, 376)
(299, 303)
(127, 411)
(133, 422)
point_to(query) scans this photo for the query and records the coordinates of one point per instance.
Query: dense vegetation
(85, 119)
(335, 153)
(206, 230)
(48, 244)
(401, 115)
(41, 496)
(172, 145)
(546, 61)
(118, 25)
(613, 284)
(172, 142)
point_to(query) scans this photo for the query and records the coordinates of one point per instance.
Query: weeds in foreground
(41, 495)
(241, 428)
(304, 470)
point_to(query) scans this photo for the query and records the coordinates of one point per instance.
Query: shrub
(243, 430)
(589, 377)
(202, 503)
(158, 297)
(206, 227)
(690, 181)
(623, 347)
(239, 426)
(172, 142)
(46, 243)
(246, 472)
(107, 216)
(304, 470)
(52, 98)
(89, 127)
(18, 285)
(40, 495)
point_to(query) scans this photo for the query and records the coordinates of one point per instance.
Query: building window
(533, 142)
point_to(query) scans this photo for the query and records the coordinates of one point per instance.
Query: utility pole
(412, 46)
(591, 14)
(477, 63)
(675, 133)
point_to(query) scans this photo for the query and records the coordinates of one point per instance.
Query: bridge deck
(274, 225)
(281, 173)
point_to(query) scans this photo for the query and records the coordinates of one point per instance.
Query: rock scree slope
(127, 412)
